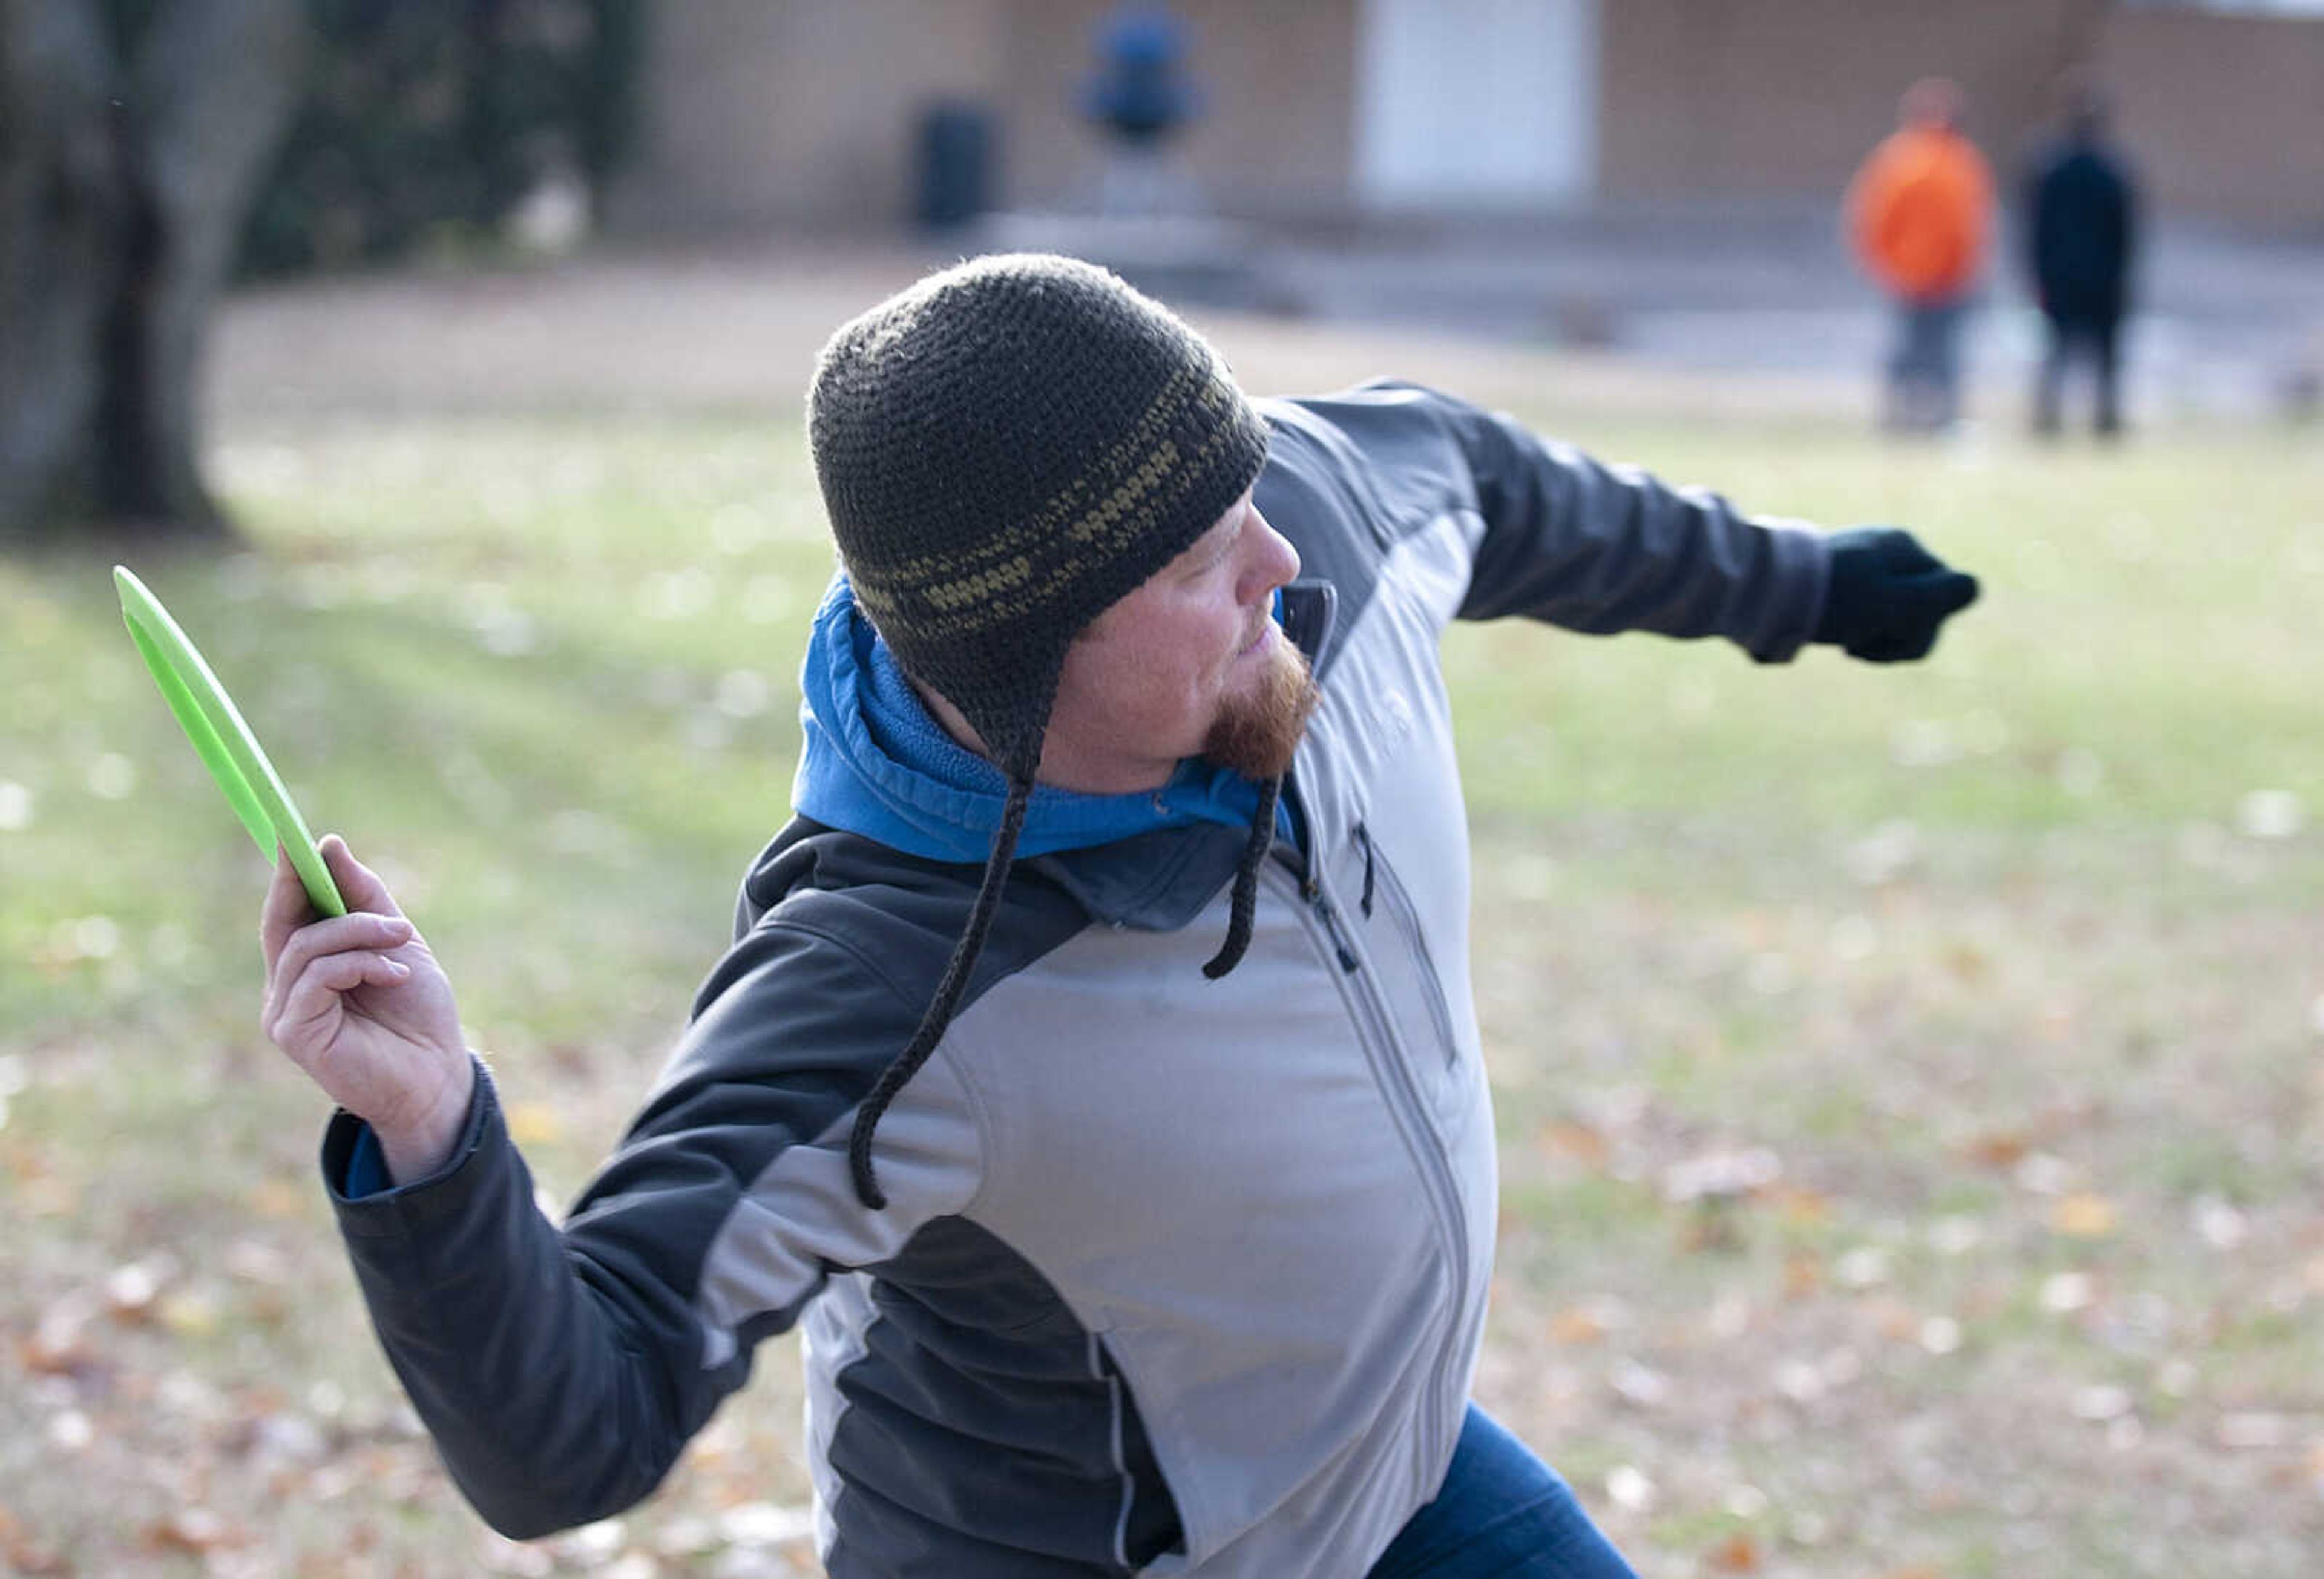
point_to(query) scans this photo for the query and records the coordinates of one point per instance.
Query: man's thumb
(1946, 592)
(358, 884)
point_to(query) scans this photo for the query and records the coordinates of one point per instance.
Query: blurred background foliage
(426, 122)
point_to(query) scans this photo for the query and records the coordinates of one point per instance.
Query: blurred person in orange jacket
(1919, 218)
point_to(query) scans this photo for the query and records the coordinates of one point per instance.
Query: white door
(1476, 103)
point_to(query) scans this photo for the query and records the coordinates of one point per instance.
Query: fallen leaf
(1941, 1335)
(46, 1195)
(1723, 1173)
(2042, 1173)
(19, 1554)
(765, 1524)
(687, 1537)
(1895, 1320)
(2220, 1224)
(1864, 1267)
(503, 1556)
(1576, 1326)
(1580, 1141)
(1711, 1223)
(59, 1344)
(2064, 1293)
(534, 1123)
(196, 1531)
(2253, 1429)
(255, 1262)
(1628, 1489)
(593, 1544)
(130, 1290)
(277, 1198)
(1968, 963)
(1639, 1385)
(1738, 1554)
(1999, 1150)
(190, 1315)
(2083, 1215)
(1955, 1234)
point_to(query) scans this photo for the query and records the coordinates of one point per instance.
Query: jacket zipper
(1376, 1031)
(1407, 921)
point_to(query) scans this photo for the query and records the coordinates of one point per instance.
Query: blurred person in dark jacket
(2081, 207)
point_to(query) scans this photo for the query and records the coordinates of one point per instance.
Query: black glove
(1888, 596)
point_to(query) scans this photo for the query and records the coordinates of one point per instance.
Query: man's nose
(1275, 561)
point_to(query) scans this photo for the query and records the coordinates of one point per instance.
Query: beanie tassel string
(1245, 902)
(940, 1008)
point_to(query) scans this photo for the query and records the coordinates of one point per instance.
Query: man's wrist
(417, 1147)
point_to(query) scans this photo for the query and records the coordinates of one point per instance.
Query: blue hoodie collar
(873, 762)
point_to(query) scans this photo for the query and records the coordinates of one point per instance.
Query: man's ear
(949, 718)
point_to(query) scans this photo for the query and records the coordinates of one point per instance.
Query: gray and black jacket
(1176, 1275)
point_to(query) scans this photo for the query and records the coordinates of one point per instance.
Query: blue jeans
(1500, 1514)
(1924, 374)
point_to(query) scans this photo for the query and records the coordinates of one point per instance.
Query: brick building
(790, 111)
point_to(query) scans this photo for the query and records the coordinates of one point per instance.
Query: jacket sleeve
(1600, 548)
(561, 1370)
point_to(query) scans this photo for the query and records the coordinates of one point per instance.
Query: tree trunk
(122, 195)
(60, 210)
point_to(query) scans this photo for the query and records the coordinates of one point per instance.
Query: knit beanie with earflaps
(1005, 449)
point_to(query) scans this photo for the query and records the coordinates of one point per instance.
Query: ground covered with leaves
(1911, 1081)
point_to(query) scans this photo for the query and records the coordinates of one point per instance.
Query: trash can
(955, 150)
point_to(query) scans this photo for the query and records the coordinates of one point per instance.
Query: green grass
(1960, 943)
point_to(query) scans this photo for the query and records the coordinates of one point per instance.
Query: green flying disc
(227, 746)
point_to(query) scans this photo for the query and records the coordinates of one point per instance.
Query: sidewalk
(1693, 312)
(2228, 323)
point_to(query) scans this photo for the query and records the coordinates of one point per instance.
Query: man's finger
(356, 931)
(359, 885)
(285, 911)
(1902, 553)
(1932, 599)
(1958, 590)
(314, 996)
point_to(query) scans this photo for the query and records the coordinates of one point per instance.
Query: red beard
(1257, 731)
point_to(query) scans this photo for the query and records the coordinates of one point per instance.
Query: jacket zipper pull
(1331, 920)
(1364, 903)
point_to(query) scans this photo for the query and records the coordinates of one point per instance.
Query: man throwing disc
(1093, 1074)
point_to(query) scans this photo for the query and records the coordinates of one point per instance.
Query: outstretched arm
(1600, 548)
